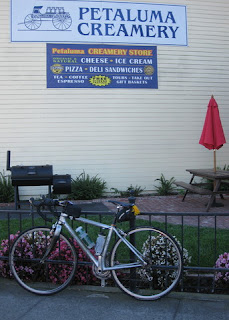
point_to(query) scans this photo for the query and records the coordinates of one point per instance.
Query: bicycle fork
(57, 230)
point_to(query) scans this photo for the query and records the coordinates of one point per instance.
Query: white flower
(161, 252)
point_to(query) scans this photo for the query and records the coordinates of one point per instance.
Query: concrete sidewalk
(91, 303)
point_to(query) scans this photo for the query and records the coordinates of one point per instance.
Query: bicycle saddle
(123, 204)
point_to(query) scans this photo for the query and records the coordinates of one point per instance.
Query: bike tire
(163, 269)
(50, 276)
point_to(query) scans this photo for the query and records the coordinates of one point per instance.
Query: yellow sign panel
(100, 81)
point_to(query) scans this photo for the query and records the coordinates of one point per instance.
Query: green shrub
(136, 191)
(6, 189)
(166, 186)
(85, 187)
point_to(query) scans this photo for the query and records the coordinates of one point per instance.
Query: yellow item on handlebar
(136, 211)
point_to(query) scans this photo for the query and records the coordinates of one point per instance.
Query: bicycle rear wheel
(42, 277)
(161, 273)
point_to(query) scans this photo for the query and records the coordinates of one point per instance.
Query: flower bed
(222, 278)
(84, 275)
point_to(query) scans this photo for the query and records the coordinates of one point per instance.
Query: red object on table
(212, 136)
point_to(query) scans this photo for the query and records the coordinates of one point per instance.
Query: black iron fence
(203, 237)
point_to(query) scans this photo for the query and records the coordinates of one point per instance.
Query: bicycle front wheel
(162, 270)
(42, 276)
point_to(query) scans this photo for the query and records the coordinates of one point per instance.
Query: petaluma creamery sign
(103, 22)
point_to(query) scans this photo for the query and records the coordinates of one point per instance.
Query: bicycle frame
(100, 261)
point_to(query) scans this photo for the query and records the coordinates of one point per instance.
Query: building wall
(126, 136)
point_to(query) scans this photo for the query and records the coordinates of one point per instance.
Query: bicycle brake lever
(43, 216)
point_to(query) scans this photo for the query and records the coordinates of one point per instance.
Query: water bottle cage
(100, 244)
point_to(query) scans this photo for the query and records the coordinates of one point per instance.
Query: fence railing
(204, 235)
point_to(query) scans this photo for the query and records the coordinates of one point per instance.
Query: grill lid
(31, 175)
(62, 184)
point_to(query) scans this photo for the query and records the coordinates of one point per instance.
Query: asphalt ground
(87, 303)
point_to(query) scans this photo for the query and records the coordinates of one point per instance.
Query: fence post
(132, 199)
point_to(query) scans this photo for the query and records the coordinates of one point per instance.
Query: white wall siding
(126, 136)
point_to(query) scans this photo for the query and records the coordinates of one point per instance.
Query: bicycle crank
(102, 275)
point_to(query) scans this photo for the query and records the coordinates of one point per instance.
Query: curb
(114, 290)
(171, 295)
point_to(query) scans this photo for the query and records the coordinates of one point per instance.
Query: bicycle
(43, 260)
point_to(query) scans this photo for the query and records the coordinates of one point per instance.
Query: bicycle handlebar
(44, 202)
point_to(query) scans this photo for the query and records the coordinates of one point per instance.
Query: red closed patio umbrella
(212, 136)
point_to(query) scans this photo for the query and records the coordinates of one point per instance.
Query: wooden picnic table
(217, 177)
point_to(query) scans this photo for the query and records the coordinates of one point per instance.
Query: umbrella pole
(214, 160)
(215, 204)
(214, 184)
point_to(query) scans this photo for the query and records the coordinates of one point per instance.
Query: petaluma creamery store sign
(98, 22)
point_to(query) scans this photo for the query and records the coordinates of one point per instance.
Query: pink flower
(222, 277)
(28, 249)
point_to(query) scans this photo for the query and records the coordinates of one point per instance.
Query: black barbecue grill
(31, 175)
(62, 184)
(37, 176)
